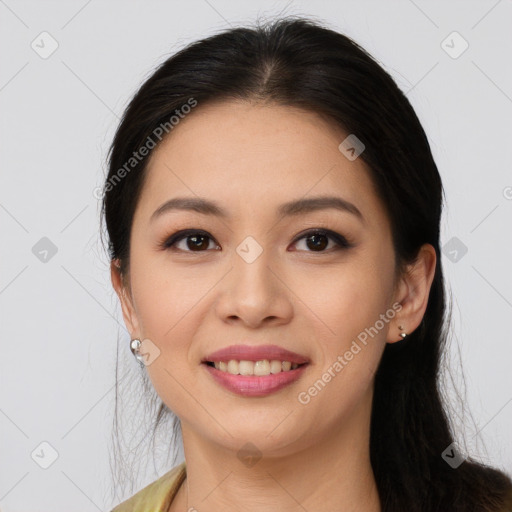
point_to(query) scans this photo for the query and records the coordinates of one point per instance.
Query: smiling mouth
(260, 368)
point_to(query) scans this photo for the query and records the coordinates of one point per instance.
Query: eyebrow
(291, 208)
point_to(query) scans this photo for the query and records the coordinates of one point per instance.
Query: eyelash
(340, 241)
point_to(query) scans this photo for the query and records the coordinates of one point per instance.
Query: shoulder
(158, 495)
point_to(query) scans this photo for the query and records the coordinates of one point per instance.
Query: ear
(124, 294)
(412, 293)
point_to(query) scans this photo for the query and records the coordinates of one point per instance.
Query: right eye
(195, 241)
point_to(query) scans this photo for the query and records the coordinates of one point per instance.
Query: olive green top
(158, 495)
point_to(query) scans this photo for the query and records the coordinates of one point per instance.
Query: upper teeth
(264, 367)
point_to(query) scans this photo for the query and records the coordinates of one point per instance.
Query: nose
(254, 293)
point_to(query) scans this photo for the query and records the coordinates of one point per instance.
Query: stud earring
(403, 334)
(135, 348)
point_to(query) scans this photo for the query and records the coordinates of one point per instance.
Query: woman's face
(256, 277)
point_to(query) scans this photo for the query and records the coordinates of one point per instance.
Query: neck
(333, 473)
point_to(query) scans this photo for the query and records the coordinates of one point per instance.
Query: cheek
(347, 298)
(163, 296)
(350, 333)
(170, 305)
(350, 303)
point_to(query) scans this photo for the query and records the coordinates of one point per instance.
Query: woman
(273, 213)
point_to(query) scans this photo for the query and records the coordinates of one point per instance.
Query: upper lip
(255, 353)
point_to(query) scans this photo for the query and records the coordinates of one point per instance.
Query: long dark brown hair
(300, 63)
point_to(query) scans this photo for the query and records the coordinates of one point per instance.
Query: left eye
(318, 239)
(196, 238)
(198, 241)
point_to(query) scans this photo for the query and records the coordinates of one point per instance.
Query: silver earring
(135, 348)
(403, 334)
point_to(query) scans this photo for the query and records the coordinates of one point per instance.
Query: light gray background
(60, 320)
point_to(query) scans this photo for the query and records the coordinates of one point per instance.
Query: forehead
(256, 156)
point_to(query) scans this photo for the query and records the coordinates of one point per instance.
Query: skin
(251, 158)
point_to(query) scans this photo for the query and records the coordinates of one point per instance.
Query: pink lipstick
(255, 371)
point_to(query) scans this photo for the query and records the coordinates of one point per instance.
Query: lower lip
(252, 385)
